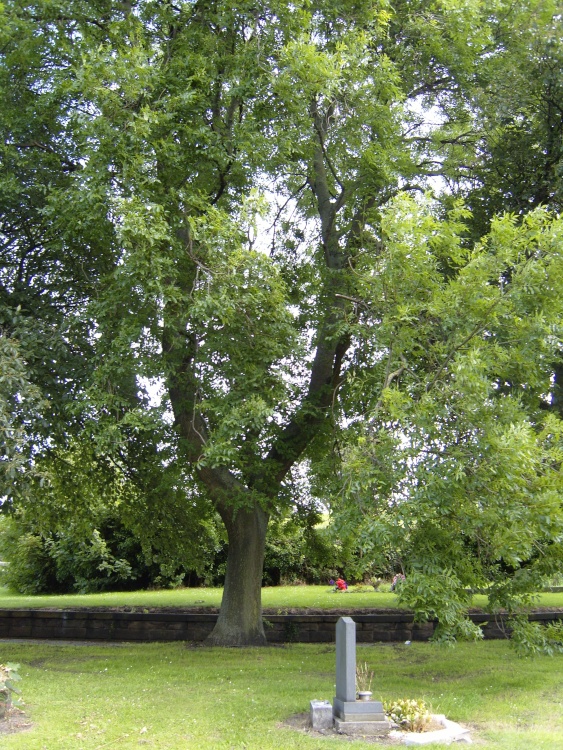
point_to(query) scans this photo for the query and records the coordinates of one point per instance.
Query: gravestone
(346, 660)
(352, 716)
(321, 715)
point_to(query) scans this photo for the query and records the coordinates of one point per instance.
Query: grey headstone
(321, 715)
(352, 716)
(346, 659)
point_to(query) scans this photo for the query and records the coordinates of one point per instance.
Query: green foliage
(440, 595)
(519, 159)
(9, 675)
(104, 558)
(297, 552)
(29, 570)
(532, 639)
(96, 552)
(21, 404)
(455, 476)
(412, 715)
(146, 148)
(64, 562)
(88, 527)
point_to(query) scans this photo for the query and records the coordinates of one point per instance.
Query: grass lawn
(276, 597)
(169, 696)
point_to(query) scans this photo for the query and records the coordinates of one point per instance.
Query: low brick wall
(105, 626)
(373, 628)
(141, 626)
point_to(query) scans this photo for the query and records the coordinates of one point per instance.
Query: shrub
(106, 557)
(61, 562)
(412, 715)
(30, 569)
(8, 676)
(296, 551)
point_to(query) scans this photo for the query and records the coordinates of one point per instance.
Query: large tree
(194, 192)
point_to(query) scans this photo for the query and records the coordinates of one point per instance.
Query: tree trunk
(240, 619)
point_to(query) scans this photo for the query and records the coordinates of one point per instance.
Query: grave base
(362, 728)
(358, 710)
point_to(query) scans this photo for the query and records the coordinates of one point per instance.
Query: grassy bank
(278, 598)
(169, 696)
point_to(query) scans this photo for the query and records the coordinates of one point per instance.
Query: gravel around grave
(15, 721)
(302, 723)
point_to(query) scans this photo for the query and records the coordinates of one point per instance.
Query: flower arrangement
(364, 677)
(412, 715)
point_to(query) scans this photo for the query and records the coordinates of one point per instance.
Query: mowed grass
(276, 597)
(86, 697)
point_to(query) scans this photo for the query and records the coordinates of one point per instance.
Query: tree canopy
(285, 214)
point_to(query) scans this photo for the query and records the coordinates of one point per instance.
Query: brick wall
(140, 626)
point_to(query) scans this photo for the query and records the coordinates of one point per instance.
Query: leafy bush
(412, 715)
(533, 638)
(65, 561)
(82, 558)
(102, 554)
(30, 569)
(442, 595)
(298, 553)
(87, 529)
(8, 676)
